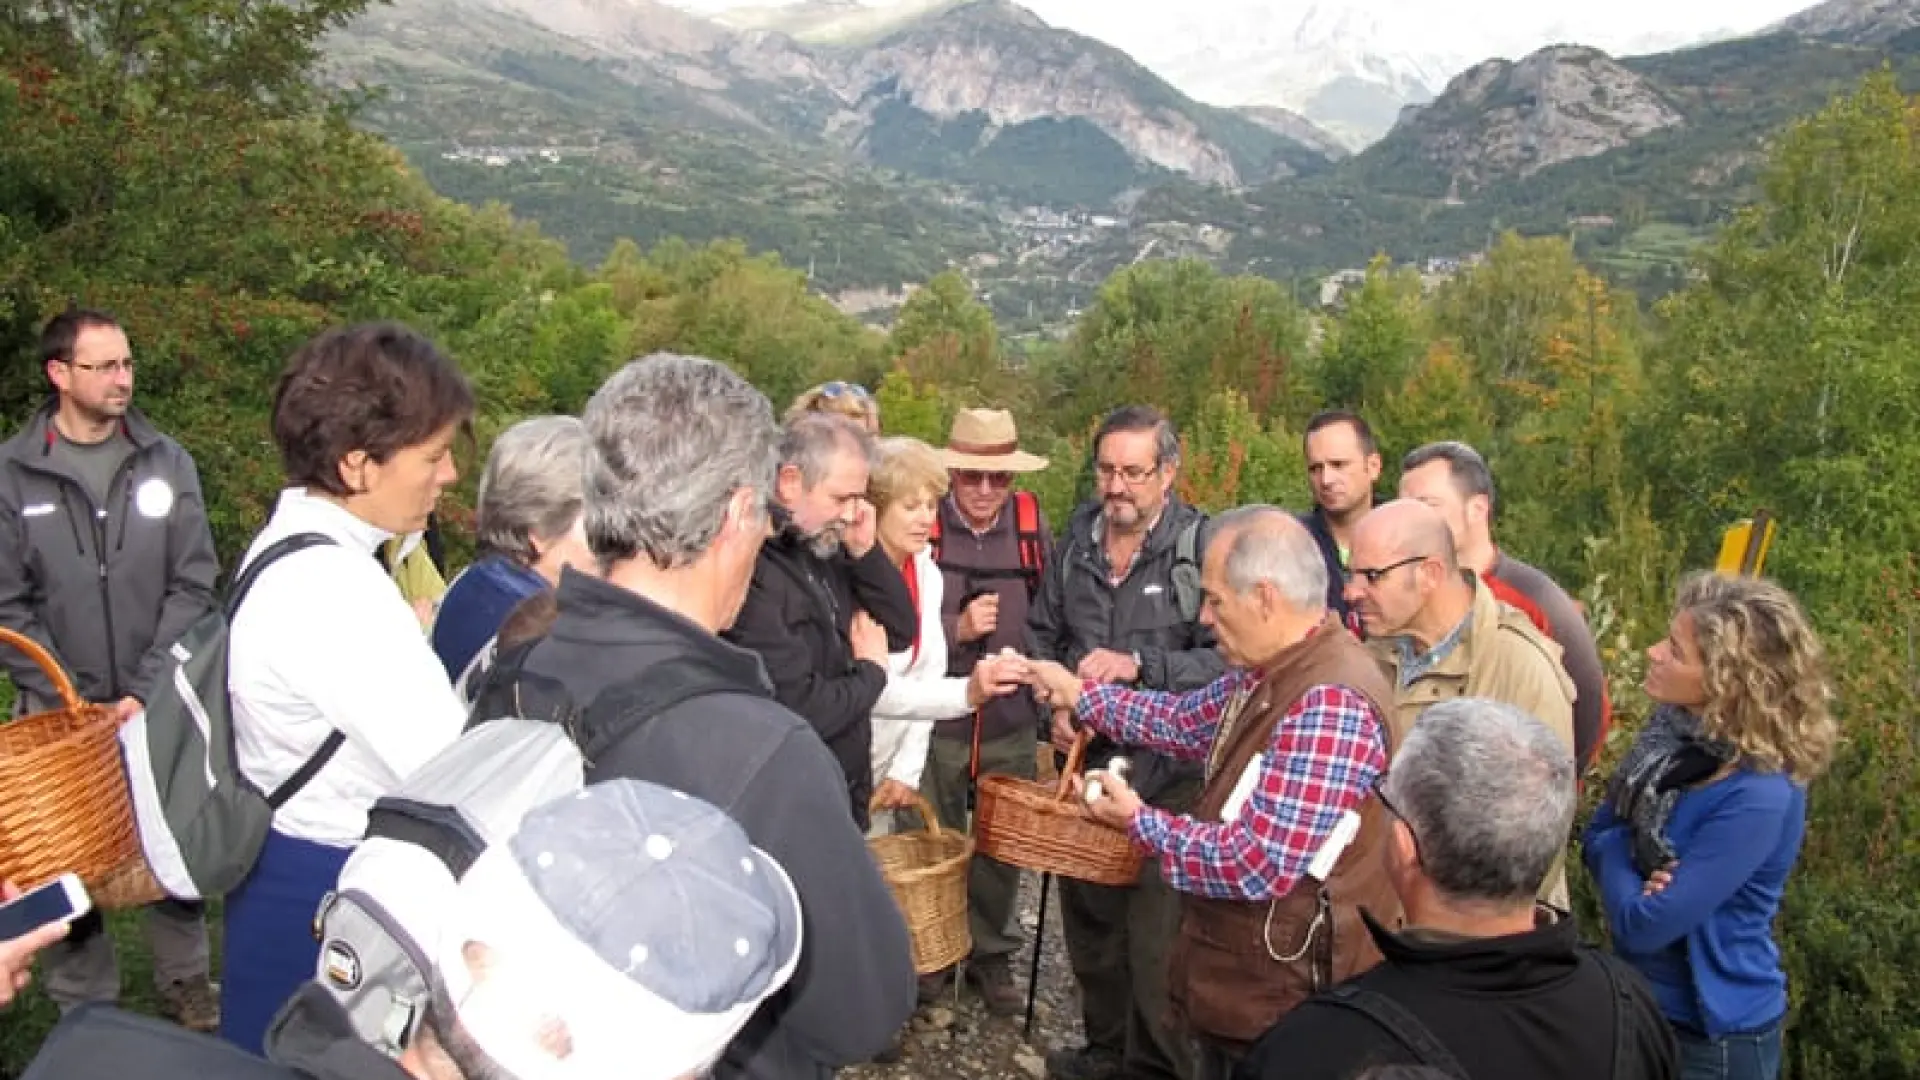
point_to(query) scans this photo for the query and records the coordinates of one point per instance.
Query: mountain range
(876, 151)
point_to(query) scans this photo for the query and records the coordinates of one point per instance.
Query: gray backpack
(201, 821)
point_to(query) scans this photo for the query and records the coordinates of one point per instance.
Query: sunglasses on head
(977, 477)
(837, 388)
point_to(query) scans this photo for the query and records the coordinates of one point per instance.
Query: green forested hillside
(174, 164)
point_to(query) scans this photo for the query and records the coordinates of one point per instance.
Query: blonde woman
(906, 485)
(1703, 820)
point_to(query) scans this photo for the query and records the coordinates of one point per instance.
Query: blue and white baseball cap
(627, 931)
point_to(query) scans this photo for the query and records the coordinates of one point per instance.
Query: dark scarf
(1670, 754)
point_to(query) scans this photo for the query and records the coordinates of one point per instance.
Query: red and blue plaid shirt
(1326, 753)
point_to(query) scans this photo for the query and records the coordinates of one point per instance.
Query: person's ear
(353, 471)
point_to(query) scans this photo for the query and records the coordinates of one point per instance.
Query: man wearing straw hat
(105, 559)
(992, 544)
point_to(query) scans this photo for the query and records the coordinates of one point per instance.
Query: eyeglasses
(110, 369)
(980, 477)
(1132, 474)
(837, 388)
(1380, 792)
(1374, 576)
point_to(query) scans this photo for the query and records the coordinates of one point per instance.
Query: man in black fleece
(826, 606)
(683, 462)
(1481, 982)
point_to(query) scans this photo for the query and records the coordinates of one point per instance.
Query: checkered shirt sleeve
(1179, 725)
(1326, 753)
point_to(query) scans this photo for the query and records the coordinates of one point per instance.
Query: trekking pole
(1033, 969)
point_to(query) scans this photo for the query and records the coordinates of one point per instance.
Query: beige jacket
(1501, 656)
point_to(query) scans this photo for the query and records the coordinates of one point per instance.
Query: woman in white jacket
(906, 485)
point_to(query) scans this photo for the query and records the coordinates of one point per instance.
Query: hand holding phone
(31, 922)
(61, 900)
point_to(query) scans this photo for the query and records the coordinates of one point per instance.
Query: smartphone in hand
(63, 899)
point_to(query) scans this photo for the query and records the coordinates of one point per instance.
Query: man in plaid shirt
(1294, 738)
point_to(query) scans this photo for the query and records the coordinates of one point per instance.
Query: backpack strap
(933, 537)
(1621, 984)
(1186, 570)
(1026, 527)
(441, 831)
(242, 585)
(1394, 1018)
(620, 709)
(507, 689)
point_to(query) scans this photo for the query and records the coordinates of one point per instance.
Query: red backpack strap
(933, 537)
(1026, 524)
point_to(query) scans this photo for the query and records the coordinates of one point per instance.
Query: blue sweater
(1705, 944)
(475, 605)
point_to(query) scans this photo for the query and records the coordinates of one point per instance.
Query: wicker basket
(1037, 827)
(927, 872)
(64, 805)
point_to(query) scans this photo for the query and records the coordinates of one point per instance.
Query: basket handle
(921, 806)
(1075, 758)
(69, 697)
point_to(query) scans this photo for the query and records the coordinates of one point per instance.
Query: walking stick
(1033, 969)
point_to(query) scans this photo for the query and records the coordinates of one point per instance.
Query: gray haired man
(1482, 981)
(684, 455)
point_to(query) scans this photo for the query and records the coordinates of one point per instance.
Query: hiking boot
(992, 978)
(192, 1003)
(1085, 1063)
(933, 987)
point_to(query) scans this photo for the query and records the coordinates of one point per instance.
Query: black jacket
(309, 1040)
(1316, 523)
(1522, 1007)
(1077, 612)
(753, 758)
(797, 617)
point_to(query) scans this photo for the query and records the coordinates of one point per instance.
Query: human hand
(979, 619)
(1116, 803)
(1065, 731)
(894, 795)
(16, 954)
(1053, 685)
(1660, 879)
(124, 709)
(869, 639)
(994, 676)
(424, 609)
(1105, 665)
(865, 530)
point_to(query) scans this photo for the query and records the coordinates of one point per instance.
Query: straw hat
(986, 439)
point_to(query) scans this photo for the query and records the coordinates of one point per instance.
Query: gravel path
(957, 1040)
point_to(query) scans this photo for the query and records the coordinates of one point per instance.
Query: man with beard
(826, 607)
(1121, 604)
(105, 560)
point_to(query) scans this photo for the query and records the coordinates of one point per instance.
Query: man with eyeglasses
(1121, 604)
(105, 559)
(1440, 633)
(1482, 980)
(1278, 854)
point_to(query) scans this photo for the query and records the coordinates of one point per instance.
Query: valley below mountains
(975, 135)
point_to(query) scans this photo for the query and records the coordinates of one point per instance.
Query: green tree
(1377, 342)
(943, 333)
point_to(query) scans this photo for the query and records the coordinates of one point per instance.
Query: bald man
(1441, 634)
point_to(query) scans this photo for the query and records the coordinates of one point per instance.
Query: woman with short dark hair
(365, 419)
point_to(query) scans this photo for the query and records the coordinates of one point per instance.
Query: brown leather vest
(1237, 967)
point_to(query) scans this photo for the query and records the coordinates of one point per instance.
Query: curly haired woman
(1703, 820)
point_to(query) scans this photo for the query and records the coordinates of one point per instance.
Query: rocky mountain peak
(1504, 118)
(1856, 22)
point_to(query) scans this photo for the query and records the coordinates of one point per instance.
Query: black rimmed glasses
(1380, 792)
(1134, 475)
(1375, 575)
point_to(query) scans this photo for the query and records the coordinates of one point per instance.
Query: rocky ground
(955, 1039)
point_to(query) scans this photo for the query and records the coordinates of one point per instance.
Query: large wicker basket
(64, 805)
(1040, 827)
(927, 872)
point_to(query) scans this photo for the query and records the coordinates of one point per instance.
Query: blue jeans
(1753, 1055)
